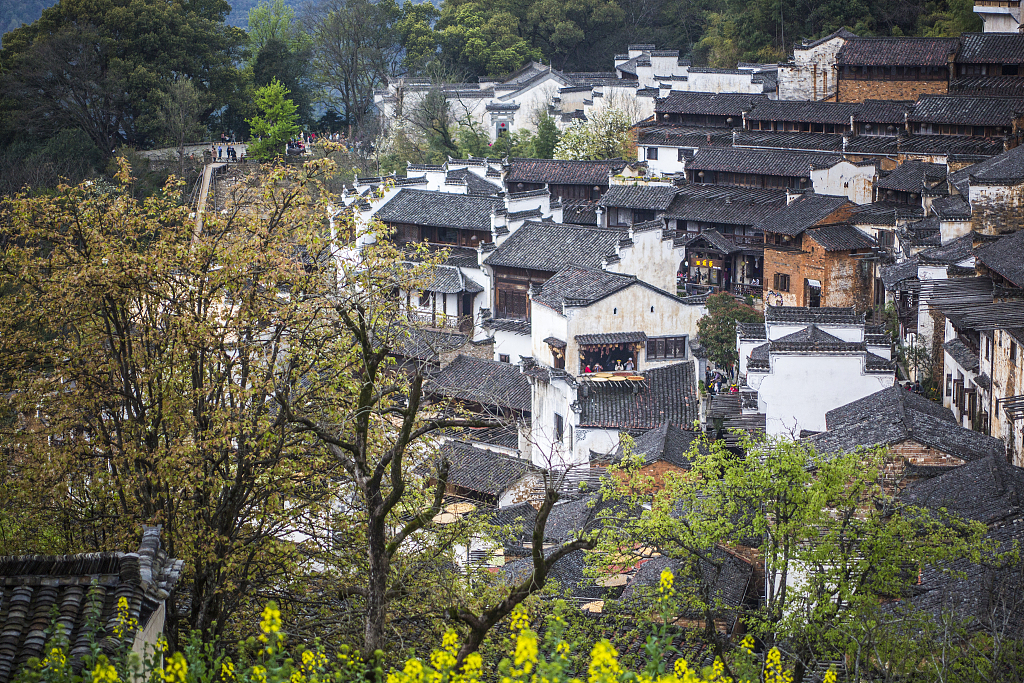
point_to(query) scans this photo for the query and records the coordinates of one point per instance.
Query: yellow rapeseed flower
(176, 669)
(104, 671)
(604, 663)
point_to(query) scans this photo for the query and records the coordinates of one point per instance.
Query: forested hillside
(584, 34)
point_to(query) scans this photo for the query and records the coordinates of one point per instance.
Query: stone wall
(858, 91)
(812, 75)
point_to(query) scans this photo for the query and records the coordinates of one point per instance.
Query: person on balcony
(629, 365)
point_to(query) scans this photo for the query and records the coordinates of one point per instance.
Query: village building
(999, 15)
(809, 361)
(811, 74)
(893, 68)
(755, 168)
(921, 435)
(81, 592)
(609, 352)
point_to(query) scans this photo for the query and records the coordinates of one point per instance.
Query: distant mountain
(14, 13)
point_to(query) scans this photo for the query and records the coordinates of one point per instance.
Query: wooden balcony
(442, 321)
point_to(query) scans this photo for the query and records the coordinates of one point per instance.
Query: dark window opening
(559, 427)
(663, 348)
(503, 357)
(652, 153)
(780, 282)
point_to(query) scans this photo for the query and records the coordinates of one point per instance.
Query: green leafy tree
(277, 125)
(605, 135)
(547, 137)
(483, 38)
(830, 537)
(180, 110)
(717, 329)
(275, 20)
(95, 65)
(291, 67)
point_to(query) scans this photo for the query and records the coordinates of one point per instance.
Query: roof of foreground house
(551, 246)
(72, 586)
(487, 382)
(667, 394)
(561, 172)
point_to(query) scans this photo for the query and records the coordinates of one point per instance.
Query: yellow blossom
(604, 663)
(176, 669)
(104, 671)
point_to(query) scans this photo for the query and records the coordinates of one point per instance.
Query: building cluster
(867, 195)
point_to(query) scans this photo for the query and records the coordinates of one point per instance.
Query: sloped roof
(965, 111)
(427, 345)
(884, 213)
(991, 48)
(893, 274)
(439, 209)
(813, 339)
(819, 316)
(579, 212)
(482, 471)
(988, 490)
(843, 33)
(951, 252)
(802, 213)
(576, 286)
(951, 207)
(1005, 256)
(713, 239)
(964, 357)
(551, 246)
(451, 280)
(897, 51)
(706, 103)
(474, 182)
(841, 237)
(73, 586)
(915, 176)
(800, 142)
(667, 443)
(486, 382)
(1007, 168)
(669, 394)
(887, 417)
(812, 112)
(759, 161)
(561, 172)
(655, 197)
(682, 136)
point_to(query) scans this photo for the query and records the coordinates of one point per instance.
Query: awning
(611, 338)
(814, 283)
(557, 343)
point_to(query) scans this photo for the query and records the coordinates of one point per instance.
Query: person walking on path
(220, 152)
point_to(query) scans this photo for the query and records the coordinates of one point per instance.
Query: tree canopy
(718, 328)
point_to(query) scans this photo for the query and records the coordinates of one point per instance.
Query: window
(988, 348)
(1013, 351)
(652, 153)
(661, 348)
(949, 385)
(503, 357)
(780, 283)
(681, 156)
(559, 427)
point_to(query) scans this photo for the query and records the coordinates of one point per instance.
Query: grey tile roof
(682, 136)
(713, 239)
(656, 197)
(841, 237)
(952, 252)
(883, 111)
(885, 213)
(968, 147)
(988, 490)
(926, 232)
(889, 417)
(1005, 256)
(439, 209)
(872, 145)
(812, 112)
(579, 212)
(487, 382)
(507, 325)
(812, 339)
(803, 142)
(751, 331)
(893, 274)
(897, 51)
(576, 285)
(550, 246)
(611, 338)
(762, 162)
(818, 316)
(560, 172)
(964, 357)
(841, 33)
(667, 395)
(951, 207)
(1007, 168)
(915, 176)
(747, 212)
(486, 473)
(802, 213)
(72, 586)
(569, 573)
(667, 443)
(885, 401)
(451, 280)
(475, 184)
(991, 48)
(427, 345)
(970, 111)
(708, 104)
(987, 86)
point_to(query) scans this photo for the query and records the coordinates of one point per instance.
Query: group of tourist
(619, 367)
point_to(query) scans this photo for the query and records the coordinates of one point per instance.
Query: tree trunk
(377, 584)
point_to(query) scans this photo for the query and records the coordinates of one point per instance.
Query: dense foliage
(718, 328)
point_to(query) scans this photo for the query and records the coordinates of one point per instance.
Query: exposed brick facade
(842, 282)
(860, 90)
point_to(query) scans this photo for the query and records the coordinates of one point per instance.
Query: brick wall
(837, 271)
(917, 453)
(858, 91)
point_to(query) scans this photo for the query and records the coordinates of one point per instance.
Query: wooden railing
(462, 323)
